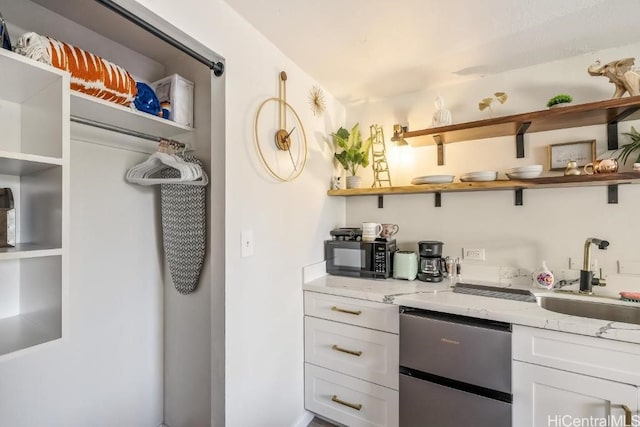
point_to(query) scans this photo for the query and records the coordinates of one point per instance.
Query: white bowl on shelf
(524, 175)
(433, 179)
(479, 176)
(530, 168)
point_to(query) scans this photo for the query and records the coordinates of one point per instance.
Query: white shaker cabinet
(551, 397)
(351, 360)
(561, 379)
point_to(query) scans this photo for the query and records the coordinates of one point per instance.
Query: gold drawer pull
(344, 350)
(356, 406)
(627, 415)
(342, 310)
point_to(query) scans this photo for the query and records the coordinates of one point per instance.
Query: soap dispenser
(544, 277)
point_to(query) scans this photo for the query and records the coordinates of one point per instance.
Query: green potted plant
(634, 145)
(559, 100)
(355, 152)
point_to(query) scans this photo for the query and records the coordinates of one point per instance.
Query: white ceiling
(362, 49)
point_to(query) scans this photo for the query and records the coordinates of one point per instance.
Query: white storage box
(178, 92)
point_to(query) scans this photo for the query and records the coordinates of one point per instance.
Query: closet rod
(125, 131)
(217, 67)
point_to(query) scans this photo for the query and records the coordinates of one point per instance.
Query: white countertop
(439, 297)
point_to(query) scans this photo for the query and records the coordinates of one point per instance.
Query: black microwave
(360, 259)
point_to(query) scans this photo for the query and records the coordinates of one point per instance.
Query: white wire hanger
(146, 173)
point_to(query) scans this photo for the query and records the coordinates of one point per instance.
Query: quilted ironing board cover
(184, 229)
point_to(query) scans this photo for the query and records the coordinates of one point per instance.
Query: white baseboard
(304, 420)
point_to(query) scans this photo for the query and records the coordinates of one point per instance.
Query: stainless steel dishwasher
(454, 371)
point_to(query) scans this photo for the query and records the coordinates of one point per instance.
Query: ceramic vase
(562, 104)
(353, 181)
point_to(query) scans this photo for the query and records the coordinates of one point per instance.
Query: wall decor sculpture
(621, 73)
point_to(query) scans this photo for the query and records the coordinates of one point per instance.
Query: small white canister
(405, 265)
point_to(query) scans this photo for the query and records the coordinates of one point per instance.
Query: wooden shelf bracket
(380, 201)
(438, 199)
(518, 197)
(520, 139)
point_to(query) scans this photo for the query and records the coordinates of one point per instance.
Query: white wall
(553, 223)
(108, 371)
(263, 302)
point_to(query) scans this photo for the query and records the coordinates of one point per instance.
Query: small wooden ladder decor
(379, 157)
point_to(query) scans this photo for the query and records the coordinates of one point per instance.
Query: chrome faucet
(587, 281)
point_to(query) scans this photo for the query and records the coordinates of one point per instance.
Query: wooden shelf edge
(542, 182)
(508, 125)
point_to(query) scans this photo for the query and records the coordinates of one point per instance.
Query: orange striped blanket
(90, 73)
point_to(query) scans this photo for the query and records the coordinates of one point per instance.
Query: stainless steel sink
(592, 309)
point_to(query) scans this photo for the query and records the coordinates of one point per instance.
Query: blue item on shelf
(146, 99)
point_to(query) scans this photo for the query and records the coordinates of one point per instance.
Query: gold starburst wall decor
(317, 101)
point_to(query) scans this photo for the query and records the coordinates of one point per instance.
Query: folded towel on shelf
(90, 73)
(184, 229)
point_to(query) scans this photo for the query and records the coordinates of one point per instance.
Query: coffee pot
(432, 266)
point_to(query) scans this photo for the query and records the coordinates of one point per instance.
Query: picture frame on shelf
(582, 152)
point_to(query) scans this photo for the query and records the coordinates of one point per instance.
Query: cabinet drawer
(348, 400)
(425, 404)
(603, 358)
(454, 348)
(357, 312)
(363, 353)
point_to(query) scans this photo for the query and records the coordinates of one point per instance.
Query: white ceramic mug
(371, 230)
(389, 230)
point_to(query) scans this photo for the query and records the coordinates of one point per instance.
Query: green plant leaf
(343, 133)
(341, 142)
(559, 99)
(355, 153)
(341, 157)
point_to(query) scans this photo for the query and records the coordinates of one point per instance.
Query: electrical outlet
(629, 267)
(473, 253)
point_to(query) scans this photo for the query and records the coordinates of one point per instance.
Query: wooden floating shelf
(506, 184)
(593, 113)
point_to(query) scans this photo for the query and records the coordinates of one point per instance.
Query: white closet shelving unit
(34, 163)
(36, 109)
